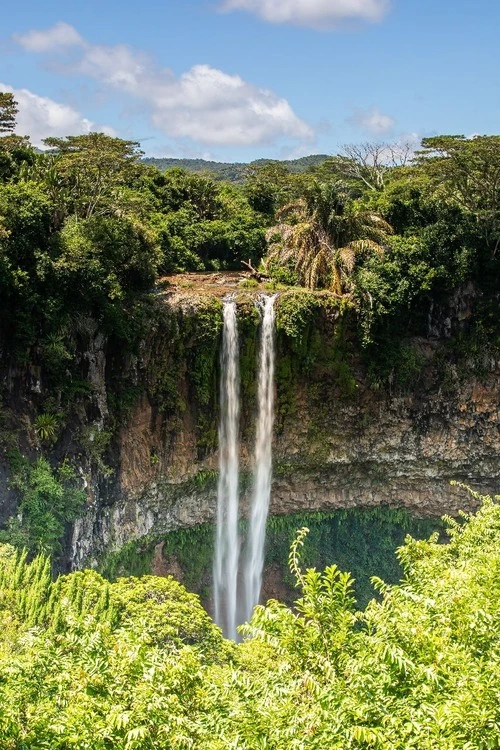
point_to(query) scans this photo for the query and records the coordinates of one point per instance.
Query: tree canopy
(138, 663)
(467, 171)
(8, 112)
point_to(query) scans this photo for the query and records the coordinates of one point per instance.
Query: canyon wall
(335, 446)
(141, 427)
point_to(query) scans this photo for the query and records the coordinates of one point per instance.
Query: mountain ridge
(233, 171)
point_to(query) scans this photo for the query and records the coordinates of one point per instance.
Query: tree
(49, 500)
(202, 224)
(366, 166)
(8, 112)
(177, 187)
(269, 186)
(466, 171)
(14, 149)
(108, 259)
(323, 235)
(92, 171)
(24, 255)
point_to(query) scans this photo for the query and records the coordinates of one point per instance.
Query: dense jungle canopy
(87, 228)
(138, 663)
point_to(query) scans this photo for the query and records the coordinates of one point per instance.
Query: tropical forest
(249, 446)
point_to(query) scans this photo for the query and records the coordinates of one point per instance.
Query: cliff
(339, 442)
(143, 431)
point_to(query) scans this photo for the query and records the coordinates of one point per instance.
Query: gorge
(339, 442)
(250, 417)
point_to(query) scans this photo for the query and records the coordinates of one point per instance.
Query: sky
(236, 80)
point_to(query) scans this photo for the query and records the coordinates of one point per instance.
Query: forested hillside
(233, 171)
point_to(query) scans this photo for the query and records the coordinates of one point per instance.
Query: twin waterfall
(227, 542)
(254, 562)
(237, 592)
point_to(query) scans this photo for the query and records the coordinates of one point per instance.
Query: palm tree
(323, 234)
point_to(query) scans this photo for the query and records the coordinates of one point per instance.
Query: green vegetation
(8, 112)
(137, 663)
(87, 228)
(321, 236)
(361, 540)
(231, 171)
(408, 239)
(49, 500)
(313, 351)
(393, 251)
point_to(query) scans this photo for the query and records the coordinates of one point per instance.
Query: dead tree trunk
(252, 272)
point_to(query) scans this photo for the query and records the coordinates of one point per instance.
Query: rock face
(371, 448)
(334, 447)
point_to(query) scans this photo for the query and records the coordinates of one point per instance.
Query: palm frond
(366, 246)
(378, 222)
(323, 234)
(347, 257)
(297, 207)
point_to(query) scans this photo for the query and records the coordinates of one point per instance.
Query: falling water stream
(225, 571)
(254, 561)
(234, 596)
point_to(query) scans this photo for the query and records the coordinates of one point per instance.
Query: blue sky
(243, 79)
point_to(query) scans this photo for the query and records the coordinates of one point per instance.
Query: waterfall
(225, 570)
(230, 606)
(254, 561)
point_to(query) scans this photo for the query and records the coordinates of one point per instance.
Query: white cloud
(372, 121)
(203, 104)
(317, 14)
(40, 117)
(210, 106)
(59, 36)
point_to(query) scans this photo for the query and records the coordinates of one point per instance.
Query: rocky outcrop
(335, 446)
(369, 449)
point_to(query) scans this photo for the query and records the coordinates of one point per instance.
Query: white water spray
(225, 569)
(254, 562)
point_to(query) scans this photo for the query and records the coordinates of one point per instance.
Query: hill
(233, 171)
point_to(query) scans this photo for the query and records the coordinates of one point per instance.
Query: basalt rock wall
(336, 446)
(144, 436)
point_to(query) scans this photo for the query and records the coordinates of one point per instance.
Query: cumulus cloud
(372, 121)
(40, 117)
(316, 14)
(210, 106)
(204, 104)
(59, 36)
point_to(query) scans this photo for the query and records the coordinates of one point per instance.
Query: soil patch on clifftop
(217, 283)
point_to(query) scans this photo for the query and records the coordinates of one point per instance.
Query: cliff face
(143, 431)
(333, 449)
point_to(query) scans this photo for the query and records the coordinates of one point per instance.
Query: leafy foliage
(361, 540)
(323, 234)
(87, 229)
(8, 112)
(334, 231)
(48, 501)
(138, 664)
(90, 172)
(466, 171)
